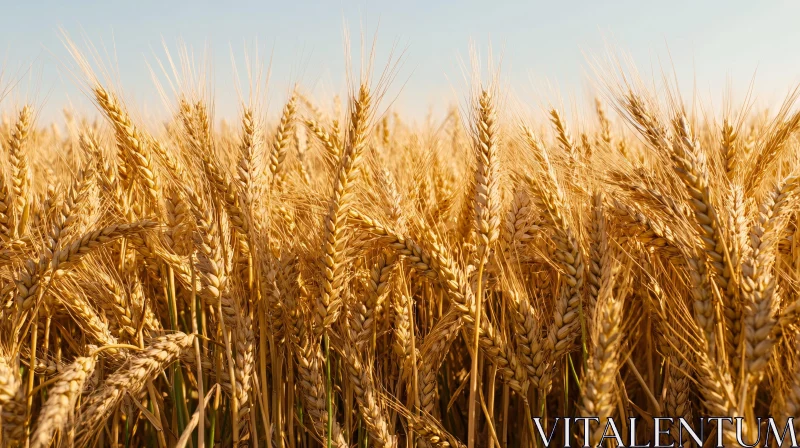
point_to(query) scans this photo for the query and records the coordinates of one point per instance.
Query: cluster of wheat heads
(341, 277)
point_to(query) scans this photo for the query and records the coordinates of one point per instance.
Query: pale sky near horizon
(542, 43)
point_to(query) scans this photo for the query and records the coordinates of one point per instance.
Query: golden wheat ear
(144, 366)
(20, 171)
(61, 401)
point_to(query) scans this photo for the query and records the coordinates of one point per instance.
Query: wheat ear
(598, 385)
(280, 142)
(61, 400)
(335, 235)
(12, 402)
(20, 176)
(143, 366)
(132, 140)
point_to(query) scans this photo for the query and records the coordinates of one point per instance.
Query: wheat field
(335, 275)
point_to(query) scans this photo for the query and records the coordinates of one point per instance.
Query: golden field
(335, 275)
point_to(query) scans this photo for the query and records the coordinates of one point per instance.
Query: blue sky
(543, 43)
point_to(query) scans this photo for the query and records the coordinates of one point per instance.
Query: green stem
(177, 383)
(212, 420)
(574, 372)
